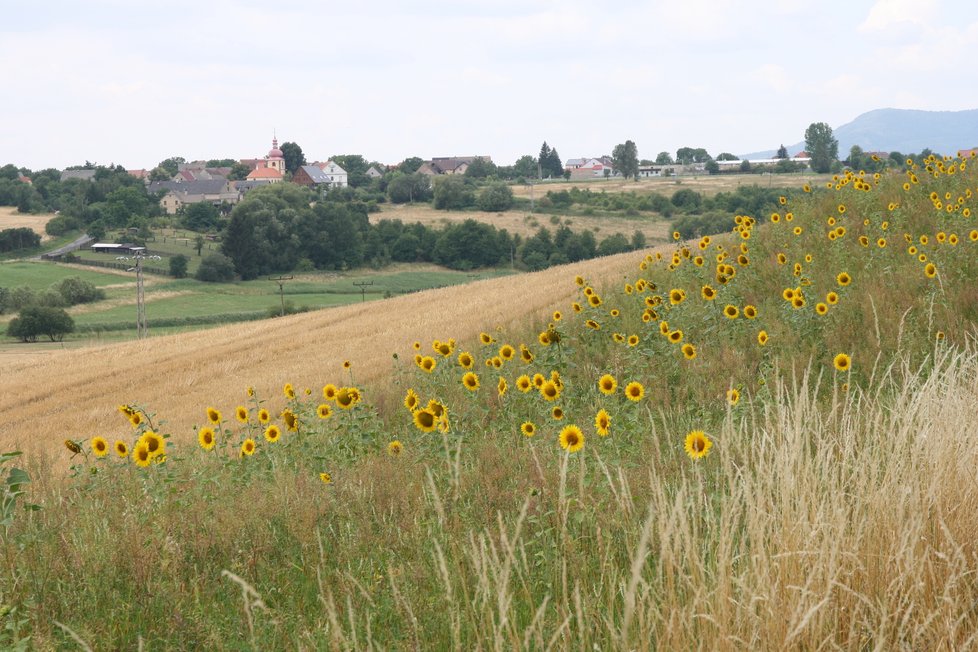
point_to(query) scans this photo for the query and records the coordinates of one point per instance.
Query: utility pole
(142, 329)
(363, 292)
(281, 288)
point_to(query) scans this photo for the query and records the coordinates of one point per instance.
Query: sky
(132, 82)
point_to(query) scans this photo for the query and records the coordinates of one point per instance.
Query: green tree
(215, 268)
(75, 290)
(496, 197)
(690, 155)
(199, 243)
(525, 167)
(452, 193)
(356, 168)
(480, 168)
(624, 158)
(664, 158)
(178, 266)
(238, 172)
(782, 152)
(410, 165)
(171, 165)
(34, 321)
(726, 156)
(201, 216)
(822, 146)
(712, 167)
(294, 158)
(220, 162)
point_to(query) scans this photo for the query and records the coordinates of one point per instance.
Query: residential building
(87, 175)
(449, 164)
(373, 172)
(179, 193)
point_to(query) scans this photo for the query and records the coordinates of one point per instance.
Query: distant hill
(902, 130)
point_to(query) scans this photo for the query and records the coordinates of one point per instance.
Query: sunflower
(506, 352)
(557, 413)
(750, 311)
(843, 279)
(633, 340)
(394, 448)
(263, 416)
(136, 418)
(141, 455)
(708, 293)
(470, 381)
(155, 443)
(411, 400)
(634, 391)
(571, 439)
(602, 423)
(544, 338)
(205, 437)
(324, 411)
(689, 351)
(425, 420)
(782, 259)
(347, 397)
(100, 446)
(579, 280)
(676, 296)
(121, 448)
(528, 428)
(213, 415)
(241, 414)
(697, 444)
(326, 478)
(501, 386)
(675, 336)
(731, 311)
(538, 380)
(798, 301)
(733, 396)
(549, 390)
(524, 384)
(526, 355)
(248, 447)
(465, 360)
(842, 362)
(607, 384)
(930, 270)
(594, 301)
(762, 337)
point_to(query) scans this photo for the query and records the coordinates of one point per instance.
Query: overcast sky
(131, 82)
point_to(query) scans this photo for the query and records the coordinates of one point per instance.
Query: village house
(87, 175)
(449, 164)
(582, 169)
(321, 175)
(180, 193)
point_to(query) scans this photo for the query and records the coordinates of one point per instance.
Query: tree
(215, 268)
(664, 158)
(782, 152)
(200, 216)
(549, 162)
(496, 197)
(452, 193)
(75, 290)
(294, 158)
(822, 146)
(526, 167)
(712, 167)
(544, 158)
(41, 320)
(480, 168)
(625, 159)
(220, 162)
(238, 172)
(726, 156)
(171, 165)
(199, 243)
(356, 168)
(410, 165)
(178, 266)
(689, 155)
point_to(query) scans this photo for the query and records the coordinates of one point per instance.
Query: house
(272, 175)
(373, 172)
(87, 175)
(313, 176)
(142, 174)
(337, 176)
(24, 179)
(591, 168)
(449, 164)
(245, 185)
(178, 193)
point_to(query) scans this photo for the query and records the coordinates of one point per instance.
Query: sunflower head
(697, 444)
(571, 439)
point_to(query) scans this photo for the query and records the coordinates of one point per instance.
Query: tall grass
(842, 524)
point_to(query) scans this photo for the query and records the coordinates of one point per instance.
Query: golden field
(704, 184)
(74, 393)
(519, 222)
(11, 219)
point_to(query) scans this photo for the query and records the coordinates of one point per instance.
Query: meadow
(761, 440)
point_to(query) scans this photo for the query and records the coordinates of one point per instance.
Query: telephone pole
(142, 329)
(281, 288)
(363, 291)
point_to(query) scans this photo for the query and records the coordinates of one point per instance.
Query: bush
(61, 224)
(41, 320)
(496, 197)
(75, 291)
(178, 266)
(215, 268)
(18, 238)
(452, 193)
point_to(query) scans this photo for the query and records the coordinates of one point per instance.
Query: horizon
(111, 84)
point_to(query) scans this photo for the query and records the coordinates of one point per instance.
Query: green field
(186, 303)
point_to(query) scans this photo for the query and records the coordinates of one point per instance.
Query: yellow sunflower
(571, 439)
(602, 423)
(465, 360)
(689, 351)
(842, 362)
(733, 396)
(528, 428)
(324, 411)
(241, 414)
(549, 390)
(762, 338)
(425, 420)
(730, 311)
(634, 391)
(411, 400)
(141, 455)
(524, 384)
(326, 478)
(607, 384)
(213, 415)
(100, 446)
(501, 386)
(121, 448)
(248, 447)
(470, 381)
(205, 437)
(697, 444)
(843, 279)
(263, 416)
(155, 443)
(394, 448)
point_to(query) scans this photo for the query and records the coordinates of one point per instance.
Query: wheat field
(46, 397)
(705, 184)
(11, 219)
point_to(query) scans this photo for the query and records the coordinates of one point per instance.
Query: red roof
(265, 173)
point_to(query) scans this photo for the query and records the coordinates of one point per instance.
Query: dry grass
(525, 224)
(704, 184)
(11, 219)
(62, 393)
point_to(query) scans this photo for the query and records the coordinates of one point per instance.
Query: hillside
(902, 130)
(62, 393)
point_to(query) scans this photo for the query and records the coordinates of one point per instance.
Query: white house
(338, 177)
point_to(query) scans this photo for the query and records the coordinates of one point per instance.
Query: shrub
(215, 268)
(74, 290)
(496, 197)
(178, 266)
